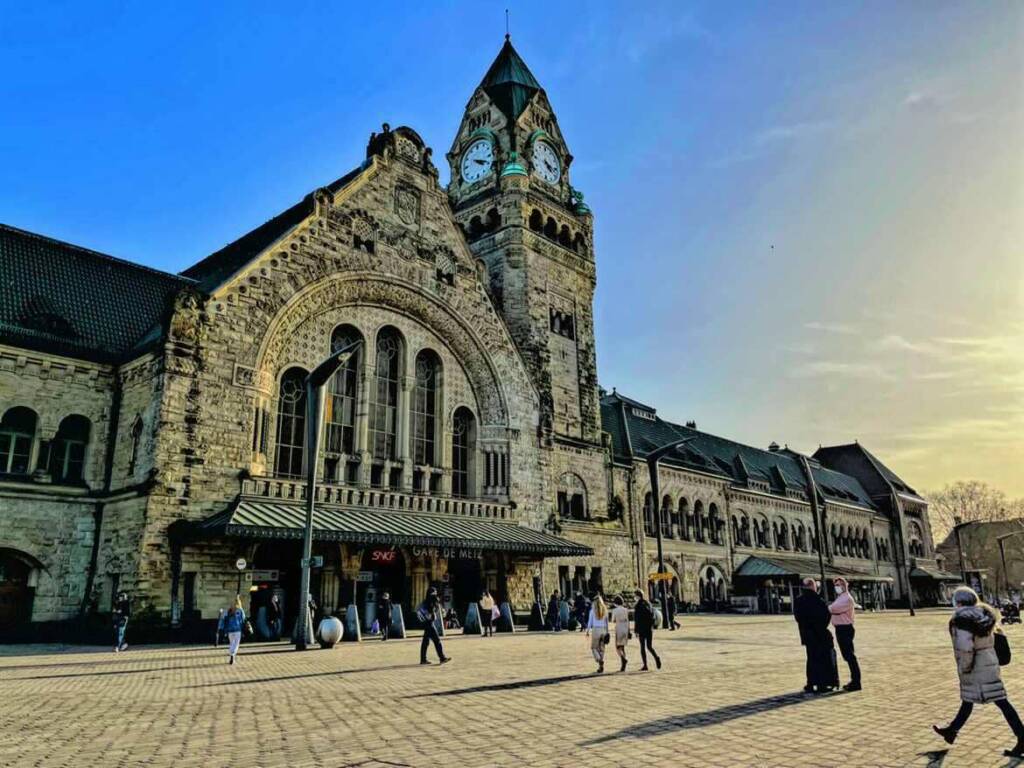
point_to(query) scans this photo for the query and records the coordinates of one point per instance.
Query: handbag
(1002, 646)
(247, 629)
(495, 613)
(607, 638)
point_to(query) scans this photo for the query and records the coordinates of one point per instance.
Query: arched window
(649, 515)
(425, 393)
(133, 456)
(67, 452)
(463, 441)
(572, 497)
(700, 521)
(384, 408)
(291, 423)
(685, 518)
(17, 432)
(915, 539)
(781, 534)
(536, 220)
(340, 407)
(666, 517)
(715, 523)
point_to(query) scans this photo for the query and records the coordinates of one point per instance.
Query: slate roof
(62, 298)
(221, 265)
(635, 435)
(509, 82)
(260, 519)
(856, 455)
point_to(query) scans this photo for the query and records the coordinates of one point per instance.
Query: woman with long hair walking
(597, 629)
(973, 629)
(233, 623)
(620, 616)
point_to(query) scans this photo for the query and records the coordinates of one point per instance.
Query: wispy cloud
(792, 131)
(839, 368)
(830, 327)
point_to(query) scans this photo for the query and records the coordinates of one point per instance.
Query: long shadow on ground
(304, 675)
(511, 686)
(702, 719)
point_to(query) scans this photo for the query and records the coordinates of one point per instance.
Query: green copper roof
(509, 82)
(513, 167)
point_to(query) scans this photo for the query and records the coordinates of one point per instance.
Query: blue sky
(809, 216)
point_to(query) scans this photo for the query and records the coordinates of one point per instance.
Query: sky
(809, 217)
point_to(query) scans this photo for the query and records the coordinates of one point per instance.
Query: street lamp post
(1002, 557)
(652, 467)
(315, 382)
(957, 525)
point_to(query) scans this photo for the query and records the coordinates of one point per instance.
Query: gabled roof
(61, 298)
(218, 267)
(634, 436)
(509, 82)
(854, 457)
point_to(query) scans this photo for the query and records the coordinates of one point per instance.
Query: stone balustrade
(339, 494)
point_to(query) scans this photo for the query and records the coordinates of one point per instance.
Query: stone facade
(492, 279)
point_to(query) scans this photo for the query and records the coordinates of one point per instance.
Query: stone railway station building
(152, 425)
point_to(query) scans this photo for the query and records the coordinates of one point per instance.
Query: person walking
(842, 609)
(597, 630)
(274, 619)
(233, 622)
(384, 615)
(487, 608)
(554, 614)
(429, 613)
(643, 621)
(973, 630)
(580, 608)
(620, 616)
(673, 625)
(812, 618)
(122, 612)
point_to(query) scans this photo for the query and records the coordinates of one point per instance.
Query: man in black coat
(643, 620)
(813, 618)
(384, 615)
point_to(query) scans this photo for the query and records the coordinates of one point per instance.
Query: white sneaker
(124, 646)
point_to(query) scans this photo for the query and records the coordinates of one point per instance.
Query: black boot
(623, 668)
(657, 661)
(947, 733)
(1017, 751)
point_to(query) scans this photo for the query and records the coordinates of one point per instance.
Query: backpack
(422, 614)
(1002, 646)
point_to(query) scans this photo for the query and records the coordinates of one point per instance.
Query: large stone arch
(471, 340)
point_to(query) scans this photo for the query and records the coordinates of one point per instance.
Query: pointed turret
(509, 82)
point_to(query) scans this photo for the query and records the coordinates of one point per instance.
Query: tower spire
(508, 34)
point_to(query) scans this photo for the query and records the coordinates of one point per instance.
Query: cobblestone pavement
(727, 696)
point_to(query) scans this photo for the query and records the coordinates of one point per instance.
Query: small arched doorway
(16, 588)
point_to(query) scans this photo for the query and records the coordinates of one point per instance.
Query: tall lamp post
(315, 382)
(652, 467)
(957, 525)
(1002, 557)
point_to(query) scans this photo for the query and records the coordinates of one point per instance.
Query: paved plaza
(727, 696)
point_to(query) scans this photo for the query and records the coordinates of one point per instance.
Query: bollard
(397, 623)
(506, 622)
(331, 630)
(352, 628)
(537, 623)
(472, 624)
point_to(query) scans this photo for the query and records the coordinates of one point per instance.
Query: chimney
(691, 424)
(774, 447)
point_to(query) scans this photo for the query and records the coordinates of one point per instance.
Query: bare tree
(967, 501)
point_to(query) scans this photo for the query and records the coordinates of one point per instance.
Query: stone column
(364, 398)
(403, 437)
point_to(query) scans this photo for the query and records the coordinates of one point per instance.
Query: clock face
(546, 163)
(477, 161)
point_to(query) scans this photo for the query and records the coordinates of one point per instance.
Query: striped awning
(756, 566)
(282, 520)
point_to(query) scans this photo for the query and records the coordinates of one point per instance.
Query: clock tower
(510, 192)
